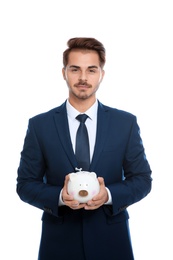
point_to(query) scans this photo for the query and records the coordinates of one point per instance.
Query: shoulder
(117, 113)
(119, 119)
(48, 116)
(50, 113)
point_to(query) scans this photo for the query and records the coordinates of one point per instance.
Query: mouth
(82, 86)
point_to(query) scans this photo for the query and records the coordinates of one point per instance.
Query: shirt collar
(91, 112)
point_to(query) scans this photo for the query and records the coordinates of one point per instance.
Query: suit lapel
(62, 126)
(101, 134)
(61, 123)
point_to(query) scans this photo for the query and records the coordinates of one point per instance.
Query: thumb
(101, 181)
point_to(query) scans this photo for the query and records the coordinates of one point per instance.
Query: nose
(83, 76)
(83, 193)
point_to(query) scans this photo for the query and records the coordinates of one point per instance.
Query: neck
(82, 105)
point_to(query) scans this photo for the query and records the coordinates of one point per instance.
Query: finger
(64, 191)
(101, 181)
(91, 207)
(76, 205)
(66, 180)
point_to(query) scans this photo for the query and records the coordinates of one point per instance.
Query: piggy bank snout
(83, 193)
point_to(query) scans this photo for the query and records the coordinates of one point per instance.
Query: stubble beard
(82, 95)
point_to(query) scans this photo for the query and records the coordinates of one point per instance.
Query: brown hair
(85, 44)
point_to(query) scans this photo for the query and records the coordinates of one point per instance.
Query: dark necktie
(82, 144)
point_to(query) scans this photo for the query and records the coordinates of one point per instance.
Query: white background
(138, 36)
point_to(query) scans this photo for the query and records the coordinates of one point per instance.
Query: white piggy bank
(83, 186)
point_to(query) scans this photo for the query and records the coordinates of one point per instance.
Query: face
(83, 74)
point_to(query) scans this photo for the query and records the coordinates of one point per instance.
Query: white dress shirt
(91, 124)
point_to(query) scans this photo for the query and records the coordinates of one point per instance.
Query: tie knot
(82, 118)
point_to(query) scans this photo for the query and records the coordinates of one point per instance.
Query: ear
(73, 176)
(63, 73)
(102, 76)
(93, 175)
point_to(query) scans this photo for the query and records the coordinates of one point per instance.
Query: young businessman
(99, 228)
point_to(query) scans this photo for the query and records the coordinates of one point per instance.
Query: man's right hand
(68, 199)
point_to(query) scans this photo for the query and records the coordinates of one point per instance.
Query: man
(99, 228)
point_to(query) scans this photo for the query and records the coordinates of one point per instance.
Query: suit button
(48, 210)
(123, 208)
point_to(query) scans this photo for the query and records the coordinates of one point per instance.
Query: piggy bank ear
(93, 175)
(73, 176)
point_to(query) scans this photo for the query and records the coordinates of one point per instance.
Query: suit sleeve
(31, 186)
(136, 183)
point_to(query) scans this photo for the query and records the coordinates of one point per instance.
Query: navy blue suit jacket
(119, 157)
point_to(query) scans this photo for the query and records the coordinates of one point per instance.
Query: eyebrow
(78, 67)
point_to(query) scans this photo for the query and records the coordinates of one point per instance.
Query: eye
(92, 71)
(74, 70)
